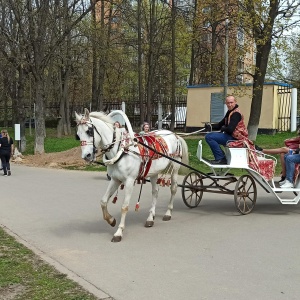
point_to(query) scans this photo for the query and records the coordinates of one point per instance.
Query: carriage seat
(244, 158)
(237, 157)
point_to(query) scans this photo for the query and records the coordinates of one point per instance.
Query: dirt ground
(63, 159)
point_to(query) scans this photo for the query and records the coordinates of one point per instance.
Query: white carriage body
(237, 158)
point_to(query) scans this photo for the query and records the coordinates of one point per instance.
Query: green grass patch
(24, 276)
(52, 142)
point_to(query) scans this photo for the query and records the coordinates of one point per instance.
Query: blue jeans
(214, 140)
(290, 161)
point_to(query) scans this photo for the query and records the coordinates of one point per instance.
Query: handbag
(292, 143)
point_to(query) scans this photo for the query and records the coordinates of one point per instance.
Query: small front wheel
(245, 194)
(191, 190)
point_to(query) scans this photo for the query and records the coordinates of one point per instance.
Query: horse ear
(86, 114)
(78, 117)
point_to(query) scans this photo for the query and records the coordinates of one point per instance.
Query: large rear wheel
(191, 189)
(245, 194)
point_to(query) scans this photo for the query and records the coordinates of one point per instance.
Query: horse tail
(185, 151)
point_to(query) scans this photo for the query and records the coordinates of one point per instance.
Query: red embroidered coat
(240, 132)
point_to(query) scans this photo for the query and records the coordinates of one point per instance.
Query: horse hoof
(113, 223)
(149, 224)
(166, 218)
(116, 239)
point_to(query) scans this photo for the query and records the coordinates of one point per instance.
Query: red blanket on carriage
(265, 167)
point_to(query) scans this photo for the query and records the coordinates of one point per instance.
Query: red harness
(147, 155)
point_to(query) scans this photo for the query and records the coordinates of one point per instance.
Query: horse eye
(90, 131)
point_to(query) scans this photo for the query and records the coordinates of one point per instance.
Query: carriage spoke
(191, 189)
(245, 194)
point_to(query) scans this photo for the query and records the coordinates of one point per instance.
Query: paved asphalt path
(210, 252)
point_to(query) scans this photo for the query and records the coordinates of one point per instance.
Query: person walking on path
(6, 150)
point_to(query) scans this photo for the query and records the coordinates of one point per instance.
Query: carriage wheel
(191, 194)
(245, 194)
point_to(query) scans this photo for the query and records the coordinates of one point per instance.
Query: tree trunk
(258, 85)
(263, 38)
(140, 69)
(173, 21)
(40, 131)
(151, 61)
(20, 105)
(95, 74)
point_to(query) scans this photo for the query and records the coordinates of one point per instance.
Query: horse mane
(100, 115)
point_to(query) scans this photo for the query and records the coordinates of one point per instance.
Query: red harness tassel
(137, 206)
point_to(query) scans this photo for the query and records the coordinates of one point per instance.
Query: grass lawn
(25, 276)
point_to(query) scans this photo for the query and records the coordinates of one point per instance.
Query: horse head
(86, 135)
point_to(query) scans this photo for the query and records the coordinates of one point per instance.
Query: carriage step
(208, 162)
(288, 201)
(286, 190)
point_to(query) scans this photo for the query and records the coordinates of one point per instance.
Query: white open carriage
(244, 191)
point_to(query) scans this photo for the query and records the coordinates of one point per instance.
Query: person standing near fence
(6, 150)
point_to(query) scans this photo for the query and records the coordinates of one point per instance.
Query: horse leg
(128, 192)
(151, 217)
(112, 187)
(173, 188)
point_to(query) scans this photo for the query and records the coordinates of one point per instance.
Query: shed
(205, 103)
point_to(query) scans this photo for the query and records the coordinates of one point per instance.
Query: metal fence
(284, 112)
(132, 110)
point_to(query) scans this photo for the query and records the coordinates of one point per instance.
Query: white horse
(126, 163)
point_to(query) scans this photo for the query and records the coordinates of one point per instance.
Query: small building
(206, 104)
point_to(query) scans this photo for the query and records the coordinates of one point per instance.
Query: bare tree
(35, 22)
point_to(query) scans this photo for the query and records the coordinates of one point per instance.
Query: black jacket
(5, 145)
(226, 126)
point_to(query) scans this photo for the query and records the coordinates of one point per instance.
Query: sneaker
(8, 173)
(4, 174)
(287, 185)
(222, 161)
(257, 148)
(282, 180)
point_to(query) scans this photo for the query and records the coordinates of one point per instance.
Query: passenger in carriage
(232, 127)
(145, 128)
(290, 162)
(292, 144)
(117, 124)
